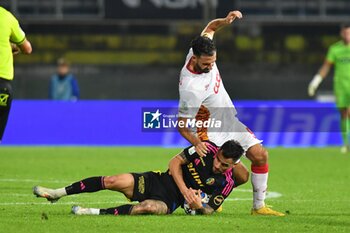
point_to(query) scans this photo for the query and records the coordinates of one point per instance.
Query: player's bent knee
(122, 182)
(264, 155)
(110, 182)
(150, 208)
(258, 155)
(147, 207)
(153, 207)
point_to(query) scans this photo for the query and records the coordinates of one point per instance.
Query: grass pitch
(313, 184)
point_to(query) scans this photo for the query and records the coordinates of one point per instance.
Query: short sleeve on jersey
(17, 34)
(190, 153)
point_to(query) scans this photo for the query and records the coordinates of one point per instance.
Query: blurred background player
(202, 95)
(339, 56)
(63, 85)
(12, 41)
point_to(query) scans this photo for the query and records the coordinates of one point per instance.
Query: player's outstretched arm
(216, 24)
(318, 78)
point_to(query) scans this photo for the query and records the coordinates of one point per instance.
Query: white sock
(95, 211)
(259, 182)
(60, 192)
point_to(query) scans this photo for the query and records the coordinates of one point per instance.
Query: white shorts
(239, 132)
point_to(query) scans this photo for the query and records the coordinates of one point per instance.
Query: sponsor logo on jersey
(344, 60)
(195, 174)
(210, 181)
(183, 107)
(141, 184)
(202, 160)
(218, 200)
(3, 99)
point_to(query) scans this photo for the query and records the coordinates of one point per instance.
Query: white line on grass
(60, 203)
(32, 181)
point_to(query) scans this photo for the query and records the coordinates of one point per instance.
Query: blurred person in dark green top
(339, 56)
(12, 41)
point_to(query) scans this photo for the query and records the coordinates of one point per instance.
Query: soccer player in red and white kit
(203, 97)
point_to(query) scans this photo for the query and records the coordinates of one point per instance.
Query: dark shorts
(5, 103)
(157, 186)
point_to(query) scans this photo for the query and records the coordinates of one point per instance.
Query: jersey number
(217, 83)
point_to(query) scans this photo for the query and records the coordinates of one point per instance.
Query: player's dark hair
(202, 45)
(344, 25)
(232, 150)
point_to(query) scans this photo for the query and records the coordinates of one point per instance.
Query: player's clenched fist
(232, 15)
(190, 196)
(15, 49)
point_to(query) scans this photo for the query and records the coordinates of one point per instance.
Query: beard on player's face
(204, 63)
(199, 69)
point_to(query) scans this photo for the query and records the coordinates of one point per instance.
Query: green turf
(314, 184)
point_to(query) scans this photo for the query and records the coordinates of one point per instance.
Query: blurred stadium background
(134, 50)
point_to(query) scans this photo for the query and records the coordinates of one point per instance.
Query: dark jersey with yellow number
(198, 174)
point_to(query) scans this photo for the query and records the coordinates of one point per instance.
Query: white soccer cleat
(47, 193)
(78, 210)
